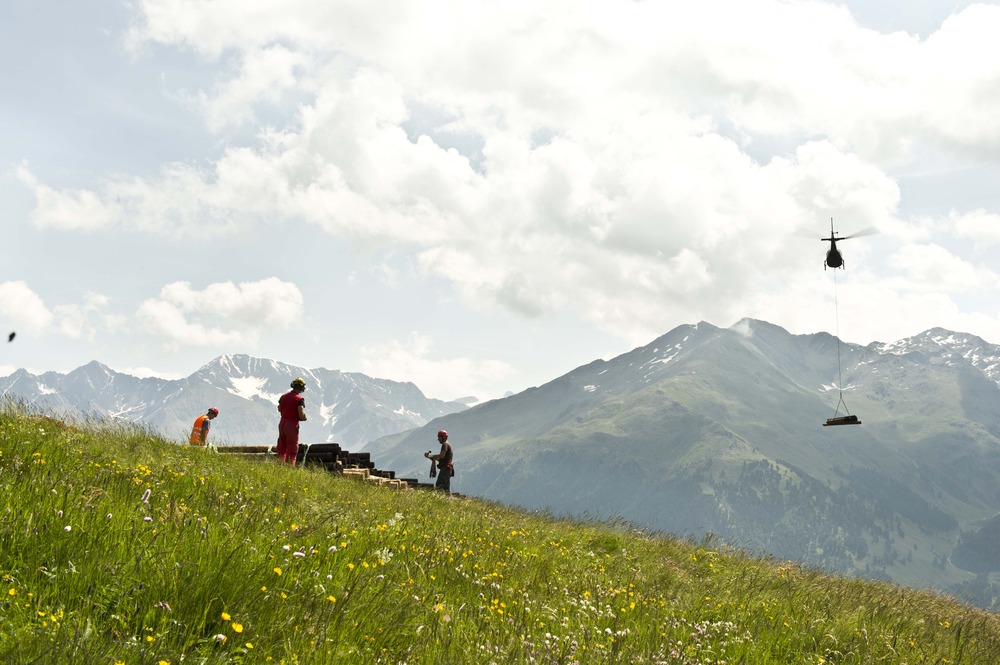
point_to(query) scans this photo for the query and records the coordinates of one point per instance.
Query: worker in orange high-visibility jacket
(199, 431)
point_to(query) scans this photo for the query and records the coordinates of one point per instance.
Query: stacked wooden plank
(333, 458)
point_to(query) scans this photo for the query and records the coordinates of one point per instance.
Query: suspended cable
(837, 419)
(836, 317)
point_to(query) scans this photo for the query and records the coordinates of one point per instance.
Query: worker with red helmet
(292, 407)
(445, 462)
(199, 431)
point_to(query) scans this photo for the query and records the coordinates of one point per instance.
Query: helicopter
(834, 259)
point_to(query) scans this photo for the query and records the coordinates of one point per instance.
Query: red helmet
(214, 411)
(442, 434)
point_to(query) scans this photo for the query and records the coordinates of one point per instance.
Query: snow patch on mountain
(403, 411)
(249, 387)
(328, 414)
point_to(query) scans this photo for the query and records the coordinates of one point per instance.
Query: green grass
(119, 547)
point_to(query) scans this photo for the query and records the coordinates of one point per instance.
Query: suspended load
(841, 420)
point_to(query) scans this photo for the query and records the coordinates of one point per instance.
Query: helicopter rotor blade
(867, 231)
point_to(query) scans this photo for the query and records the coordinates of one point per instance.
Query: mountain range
(720, 431)
(348, 408)
(705, 430)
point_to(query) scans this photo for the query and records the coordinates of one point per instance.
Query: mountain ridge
(349, 408)
(720, 430)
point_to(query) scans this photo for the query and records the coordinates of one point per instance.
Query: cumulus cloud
(414, 360)
(262, 76)
(634, 161)
(221, 314)
(83, 321)
(981, 226)
(27, 311)
(23, 307)
(78, 210)
(934, 268)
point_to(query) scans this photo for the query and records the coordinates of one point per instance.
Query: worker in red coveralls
(199, 431)
(292, 407)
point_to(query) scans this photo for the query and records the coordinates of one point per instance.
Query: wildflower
(225, 616)
(277, 571)
(109, 515)
(67, 528)
(220, 638)
(12, 592)
(286, 547)
(237, 627)
(145, 496)
(59, 514)
(249, 645)
(147, 519)
(331, 599)
(298, 554)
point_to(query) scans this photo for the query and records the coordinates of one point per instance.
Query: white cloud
(934, 268)
(26, 310)
(642, 163)
(76, 321)
(223, 313)
(863, 308)
(980, 225)
(414, 360)
(263, 76)
(78, 210)
(23, 307)
(636, 197)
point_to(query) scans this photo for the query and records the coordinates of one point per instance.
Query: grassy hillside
(118, 547)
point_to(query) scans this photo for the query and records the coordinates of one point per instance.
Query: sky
(480, 196)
